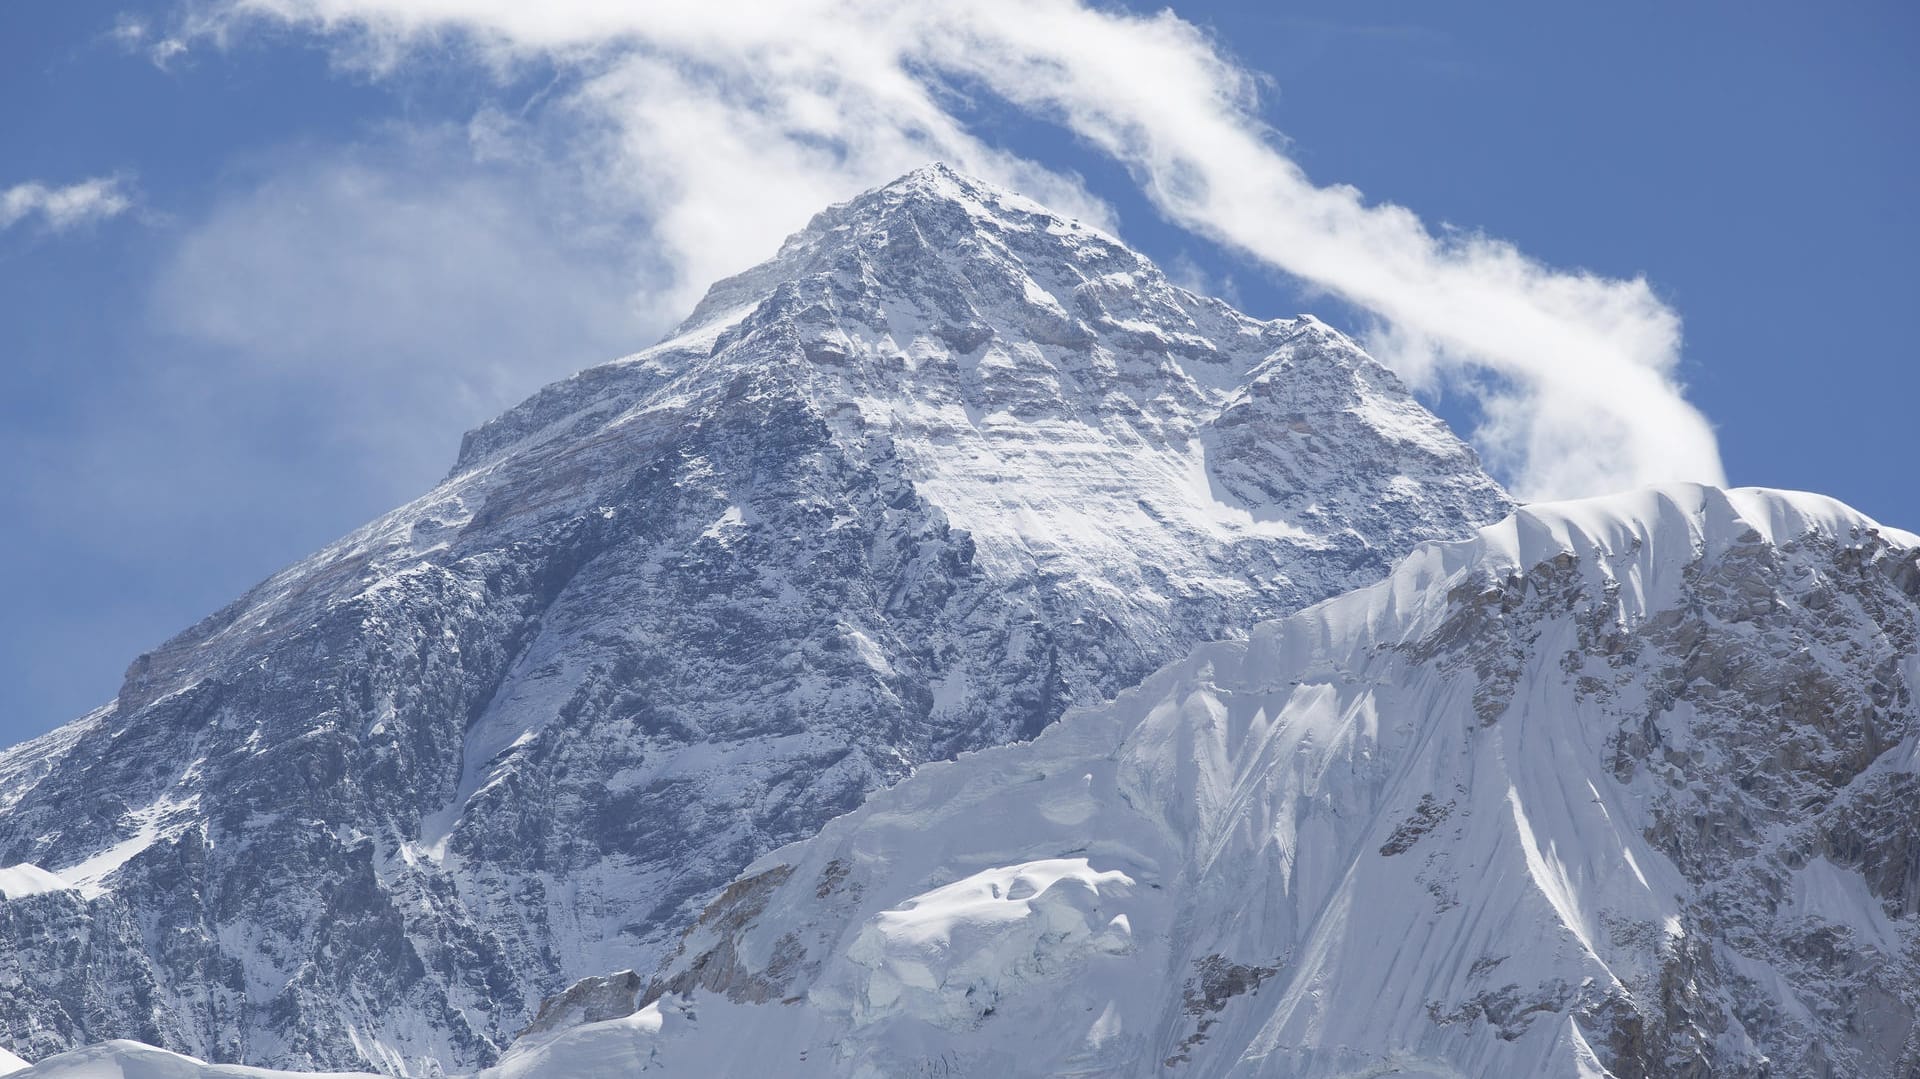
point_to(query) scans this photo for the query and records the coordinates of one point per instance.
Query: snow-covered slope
(1621, 787)
(944, 466)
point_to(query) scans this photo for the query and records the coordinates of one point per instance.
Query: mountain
(1619, 788)
(944, 466)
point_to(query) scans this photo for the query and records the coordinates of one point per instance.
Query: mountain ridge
(1364, 809)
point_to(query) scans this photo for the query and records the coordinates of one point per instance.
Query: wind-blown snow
(20, 881)
(131, 1060)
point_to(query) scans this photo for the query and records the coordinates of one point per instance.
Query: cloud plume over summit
(687, 110)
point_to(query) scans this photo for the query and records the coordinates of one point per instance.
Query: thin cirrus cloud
(688, 108)
(65, 207)
(398, 291)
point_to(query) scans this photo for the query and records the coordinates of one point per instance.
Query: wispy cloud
(303, 356)
(135, 35)
(724, 125)
(62, 208)
(399, 290)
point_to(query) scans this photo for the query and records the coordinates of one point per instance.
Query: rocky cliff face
(1620, 788)
(945, 466)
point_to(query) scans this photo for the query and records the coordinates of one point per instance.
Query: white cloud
(724, 125)
(62, 208)
(133, 34)
(401, 291)
(312, 347)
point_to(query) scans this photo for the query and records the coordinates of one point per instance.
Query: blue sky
(326, 239)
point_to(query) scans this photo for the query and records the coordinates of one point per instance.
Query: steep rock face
(943, 467)
(1620, 788)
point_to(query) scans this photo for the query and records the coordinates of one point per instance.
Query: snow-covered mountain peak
(929, 213)
(971, 264)
(1027, 303)
(981, 337)
(944, 466)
